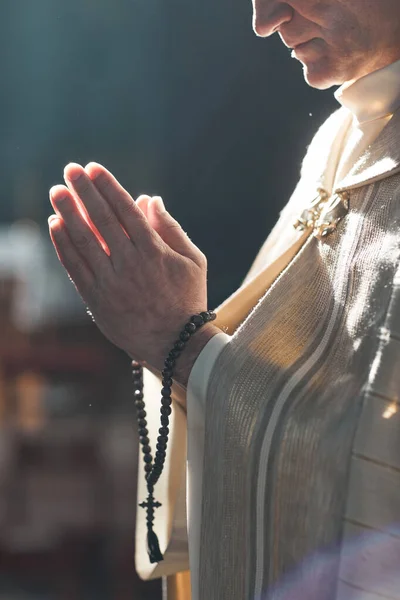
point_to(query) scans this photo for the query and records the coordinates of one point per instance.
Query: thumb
(170, 230)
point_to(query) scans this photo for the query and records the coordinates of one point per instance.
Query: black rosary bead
(166, 401)
(143, 432)
(174, 353)
(206, 316)
(197, 320)
(162, 438)
(184, 336)
(164, 431)
(179, 345)
(169, 363)
(190, 327)
(141, 414)
(142, 423)
(166, 373)
(166, 411)
(144, 440)
(161, 446)
(167, 382)
(148, 468)
(138, 395)
(164, 420)
(139, 404)
(166, 392)
(147, 458)
(146, 450)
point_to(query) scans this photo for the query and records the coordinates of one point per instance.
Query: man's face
(342, 40)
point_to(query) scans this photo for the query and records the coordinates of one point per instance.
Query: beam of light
(364, 566)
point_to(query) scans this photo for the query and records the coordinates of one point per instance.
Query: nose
(269, 16)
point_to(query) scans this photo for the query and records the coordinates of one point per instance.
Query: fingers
(80, 233)
(143, 202)
(96, 207)
(75, 265)
(131, 217)
(171, 232)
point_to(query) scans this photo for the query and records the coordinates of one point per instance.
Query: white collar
(374, 96)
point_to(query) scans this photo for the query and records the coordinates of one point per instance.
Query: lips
(299, 46)
(292, 45)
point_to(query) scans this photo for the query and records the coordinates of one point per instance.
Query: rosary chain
(153, 467)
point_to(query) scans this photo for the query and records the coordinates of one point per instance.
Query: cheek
(343, 30)
(337, 21)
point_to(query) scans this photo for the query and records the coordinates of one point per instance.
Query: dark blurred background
(176, 98)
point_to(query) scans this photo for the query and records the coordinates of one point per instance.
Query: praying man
(289, 400)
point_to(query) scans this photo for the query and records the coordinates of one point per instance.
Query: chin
(322, 67)
(319, 82)
(320, 77)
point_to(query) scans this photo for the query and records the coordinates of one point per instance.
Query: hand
(135, 268)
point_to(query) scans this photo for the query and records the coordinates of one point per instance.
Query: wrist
(194, 346)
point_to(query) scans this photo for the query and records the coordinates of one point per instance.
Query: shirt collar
(374, 96)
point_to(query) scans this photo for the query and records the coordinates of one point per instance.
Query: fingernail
(93, 169)
(75, 174)
(52, 218)
(160, 207)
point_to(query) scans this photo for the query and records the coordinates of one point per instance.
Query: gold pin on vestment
(324, 214)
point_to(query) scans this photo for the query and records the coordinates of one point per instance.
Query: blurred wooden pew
(178, 587)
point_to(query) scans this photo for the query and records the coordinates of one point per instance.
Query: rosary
(154, 468)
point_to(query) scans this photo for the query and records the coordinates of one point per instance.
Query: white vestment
(372, 100)
(368, 107)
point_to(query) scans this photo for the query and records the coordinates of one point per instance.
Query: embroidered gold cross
(324, 213)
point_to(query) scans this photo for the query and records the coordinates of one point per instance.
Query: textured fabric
(369, 101)
(197, 385)
(289, 393)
